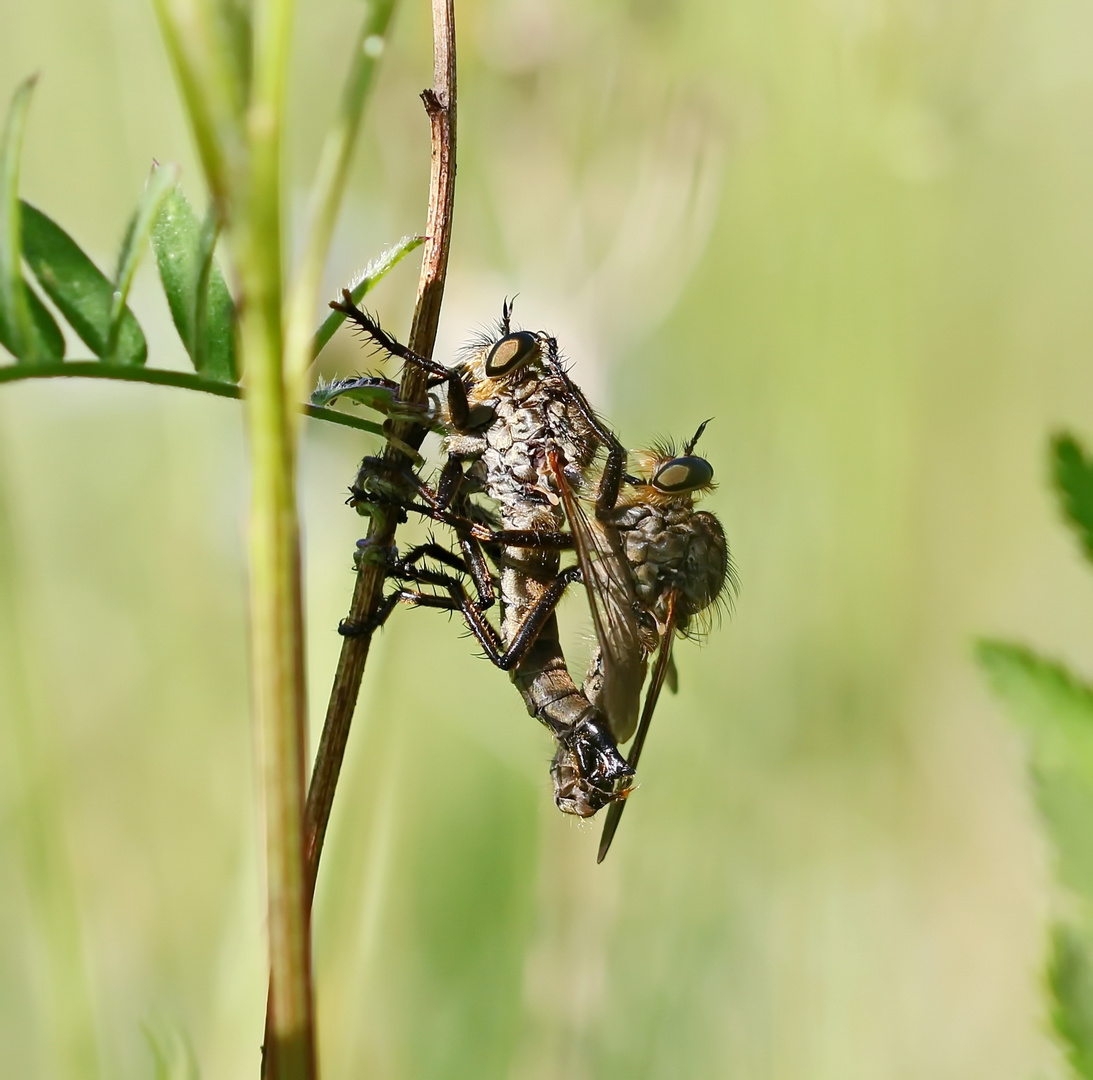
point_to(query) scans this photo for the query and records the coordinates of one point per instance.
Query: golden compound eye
(683, 474)
(511, 351)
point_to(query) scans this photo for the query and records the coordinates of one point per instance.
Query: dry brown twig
(440, 104)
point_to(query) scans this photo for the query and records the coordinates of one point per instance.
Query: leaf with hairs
(372, 274)
(201, 306)
(137, 234)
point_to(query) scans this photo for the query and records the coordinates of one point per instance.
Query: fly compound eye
(683, 474)
(511, 351)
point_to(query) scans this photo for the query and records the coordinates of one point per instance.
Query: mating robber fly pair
(518, 433)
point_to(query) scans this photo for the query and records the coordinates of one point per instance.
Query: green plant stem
(277, 638)
(440, 105)
(326, 195)
(186, 380)
(180, 23)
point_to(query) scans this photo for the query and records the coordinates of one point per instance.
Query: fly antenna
(689, 448)
(506, 313)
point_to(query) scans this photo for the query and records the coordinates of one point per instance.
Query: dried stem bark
(440, 104)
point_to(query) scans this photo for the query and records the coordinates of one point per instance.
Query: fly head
(588, 771)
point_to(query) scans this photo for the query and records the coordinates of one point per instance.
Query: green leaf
(1065, 802)
(137, 234)
(1046, 699)
(1070, 979)
(27, 330)
(46, 327)
(184, 255)
(79, 289)
(373, 273)
(1072, 472)
(376, 394)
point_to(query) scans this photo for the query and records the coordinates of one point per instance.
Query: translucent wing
(618, 671)
(660, 672)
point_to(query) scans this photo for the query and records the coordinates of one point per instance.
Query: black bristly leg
(484, 631)
(390, 602)
(478, 569)
(437, 506)
(348, 628)
(447, 487)
(458, 408)
(472, 564)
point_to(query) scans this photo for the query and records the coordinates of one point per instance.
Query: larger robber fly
(510, 413)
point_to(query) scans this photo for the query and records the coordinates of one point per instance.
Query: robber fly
(651, 564)
(516, 428)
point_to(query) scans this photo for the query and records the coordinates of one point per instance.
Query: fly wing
(660, 675)
(618, 666)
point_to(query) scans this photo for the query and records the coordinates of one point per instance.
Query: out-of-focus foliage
(856, 233)
(1056, 709)
(1070, 977)
(1074, 477)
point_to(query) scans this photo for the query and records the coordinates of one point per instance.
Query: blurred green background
(859, 235)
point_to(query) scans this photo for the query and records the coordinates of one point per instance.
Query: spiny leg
(457, 393)
(484, 631)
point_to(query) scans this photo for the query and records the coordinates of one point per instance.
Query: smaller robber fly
(653, 567)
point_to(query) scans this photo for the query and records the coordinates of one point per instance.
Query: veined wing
(620, 666)
(660, 672)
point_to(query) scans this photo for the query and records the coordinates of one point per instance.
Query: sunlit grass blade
(173, 1056)
(183, 250)
(27, 330)
(1072, 471)
(137, 234)
(82, 293)
(373, 273)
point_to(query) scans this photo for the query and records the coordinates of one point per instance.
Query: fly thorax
(671, 547)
